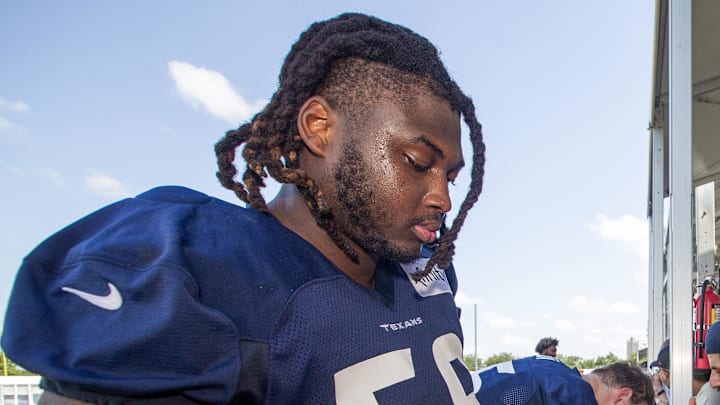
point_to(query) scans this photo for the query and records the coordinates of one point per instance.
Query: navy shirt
(174, 294)
(536, 380)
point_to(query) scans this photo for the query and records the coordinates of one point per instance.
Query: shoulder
(707, 395)
(137, 230)
(175, 194)
(536, 377)
(561, 383)
(170, 260)
(528, 365)
(507, 379)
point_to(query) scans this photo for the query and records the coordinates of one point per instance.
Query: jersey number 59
(358, 383)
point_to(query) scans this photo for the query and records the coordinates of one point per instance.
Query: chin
(401, 254)
(402, 250)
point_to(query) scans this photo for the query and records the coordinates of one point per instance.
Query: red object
(705, 308)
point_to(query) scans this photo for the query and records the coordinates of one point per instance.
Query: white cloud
(204, 88)
(564, 325)
(6, 123)
(9, 131)
(632, 235)
(497, 321)
(594, 339)
(584, 304)
(55, 177)
(630, 231)
(16, 106)
(512, 340)
(462, 299)
(47, 174)
(106, 186)
(14, 170)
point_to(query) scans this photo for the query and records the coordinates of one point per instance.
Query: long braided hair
(271, 138)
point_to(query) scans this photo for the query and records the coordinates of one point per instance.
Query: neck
(289, 208)
(593, 380)
(599, 389)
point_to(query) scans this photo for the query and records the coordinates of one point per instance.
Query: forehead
(420, 116)
(714, 361)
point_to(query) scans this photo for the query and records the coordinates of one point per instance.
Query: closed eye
(416, 165)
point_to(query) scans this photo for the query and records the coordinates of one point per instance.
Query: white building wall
(20, 390)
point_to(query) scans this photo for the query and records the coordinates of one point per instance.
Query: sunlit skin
(400, 163)
(550, 351)
(664, 375)
(714, 360)
(657, 387)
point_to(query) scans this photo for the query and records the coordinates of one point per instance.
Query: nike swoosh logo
(112, 301)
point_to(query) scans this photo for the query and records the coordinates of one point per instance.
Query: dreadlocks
(348, 60)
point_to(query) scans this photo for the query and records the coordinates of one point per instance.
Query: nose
(438, 195)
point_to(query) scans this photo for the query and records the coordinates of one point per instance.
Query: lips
(426, 232)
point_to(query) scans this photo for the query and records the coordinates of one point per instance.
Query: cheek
(393, 186)
(715, 379)
(391, 189)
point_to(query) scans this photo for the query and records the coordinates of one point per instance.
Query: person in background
(703, 393)
(319, 296)
(547, 347)
(545, 380)
(660, 395)
(712, 349)
(663, 365)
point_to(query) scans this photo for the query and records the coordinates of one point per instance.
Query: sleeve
(560, 384)
(508, 383)
(533, 381)
(100, 307)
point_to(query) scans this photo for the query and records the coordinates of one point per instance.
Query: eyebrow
(422, 139)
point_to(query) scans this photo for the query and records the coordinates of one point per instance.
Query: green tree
(602, 361)
(499, 358)
(8, 367)
(570, 360)
(469, 361)
(633, 359)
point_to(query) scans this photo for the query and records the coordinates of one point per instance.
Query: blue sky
(103, 100)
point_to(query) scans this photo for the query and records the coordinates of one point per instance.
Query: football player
(318, 296)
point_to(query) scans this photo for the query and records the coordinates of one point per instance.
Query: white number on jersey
(358, 383)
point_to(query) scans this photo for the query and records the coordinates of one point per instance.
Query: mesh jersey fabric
(535, 380)
(222, 304)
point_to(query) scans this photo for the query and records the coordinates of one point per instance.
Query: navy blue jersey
(537, 380)
(174, 294)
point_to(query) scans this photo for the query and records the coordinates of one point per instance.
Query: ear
(623, 395)
(315, 122)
